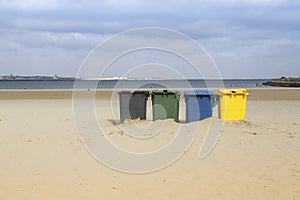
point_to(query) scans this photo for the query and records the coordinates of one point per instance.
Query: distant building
(55, 77)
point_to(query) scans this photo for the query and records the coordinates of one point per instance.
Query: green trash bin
(165, 104)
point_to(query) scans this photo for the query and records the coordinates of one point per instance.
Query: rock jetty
(284, 82)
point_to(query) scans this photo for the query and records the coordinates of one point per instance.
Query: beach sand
(42, 156)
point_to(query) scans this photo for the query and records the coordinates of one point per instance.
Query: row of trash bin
(199, 104)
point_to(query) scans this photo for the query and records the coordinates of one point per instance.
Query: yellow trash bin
(232, 104)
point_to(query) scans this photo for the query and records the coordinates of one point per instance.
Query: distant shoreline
(284, 82)
(128, 79)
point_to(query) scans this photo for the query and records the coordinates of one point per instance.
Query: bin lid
(233, 92)
(198, 93)
(124, 92)
(159, 92)
(135, 92)
(142, 92)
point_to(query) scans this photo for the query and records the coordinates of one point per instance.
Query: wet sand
(255, 94)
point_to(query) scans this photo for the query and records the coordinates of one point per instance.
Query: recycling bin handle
(165, 92)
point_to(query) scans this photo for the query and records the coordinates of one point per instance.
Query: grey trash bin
(133, 104)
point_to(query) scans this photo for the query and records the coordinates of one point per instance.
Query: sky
(245, 39)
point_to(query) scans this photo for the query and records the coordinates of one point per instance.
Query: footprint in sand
(116, 133)
(241, 123)
(252, 133)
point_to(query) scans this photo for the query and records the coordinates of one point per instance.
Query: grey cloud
(111, 18)
(40, 39)
(249, 34)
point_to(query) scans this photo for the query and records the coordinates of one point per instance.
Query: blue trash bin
(198, 104)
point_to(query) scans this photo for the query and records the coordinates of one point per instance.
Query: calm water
(109, 84)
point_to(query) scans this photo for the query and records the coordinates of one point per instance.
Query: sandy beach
(42, 156)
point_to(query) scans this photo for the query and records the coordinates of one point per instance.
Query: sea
(119, 84)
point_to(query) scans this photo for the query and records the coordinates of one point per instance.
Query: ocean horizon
(118, 84)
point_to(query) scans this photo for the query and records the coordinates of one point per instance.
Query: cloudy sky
(245, 38)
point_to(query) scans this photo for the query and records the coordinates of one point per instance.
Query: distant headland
(278, 82)
(284, 82)
(12, 77)
(34, 78)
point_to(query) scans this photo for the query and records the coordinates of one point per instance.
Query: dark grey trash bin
(133, 104)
